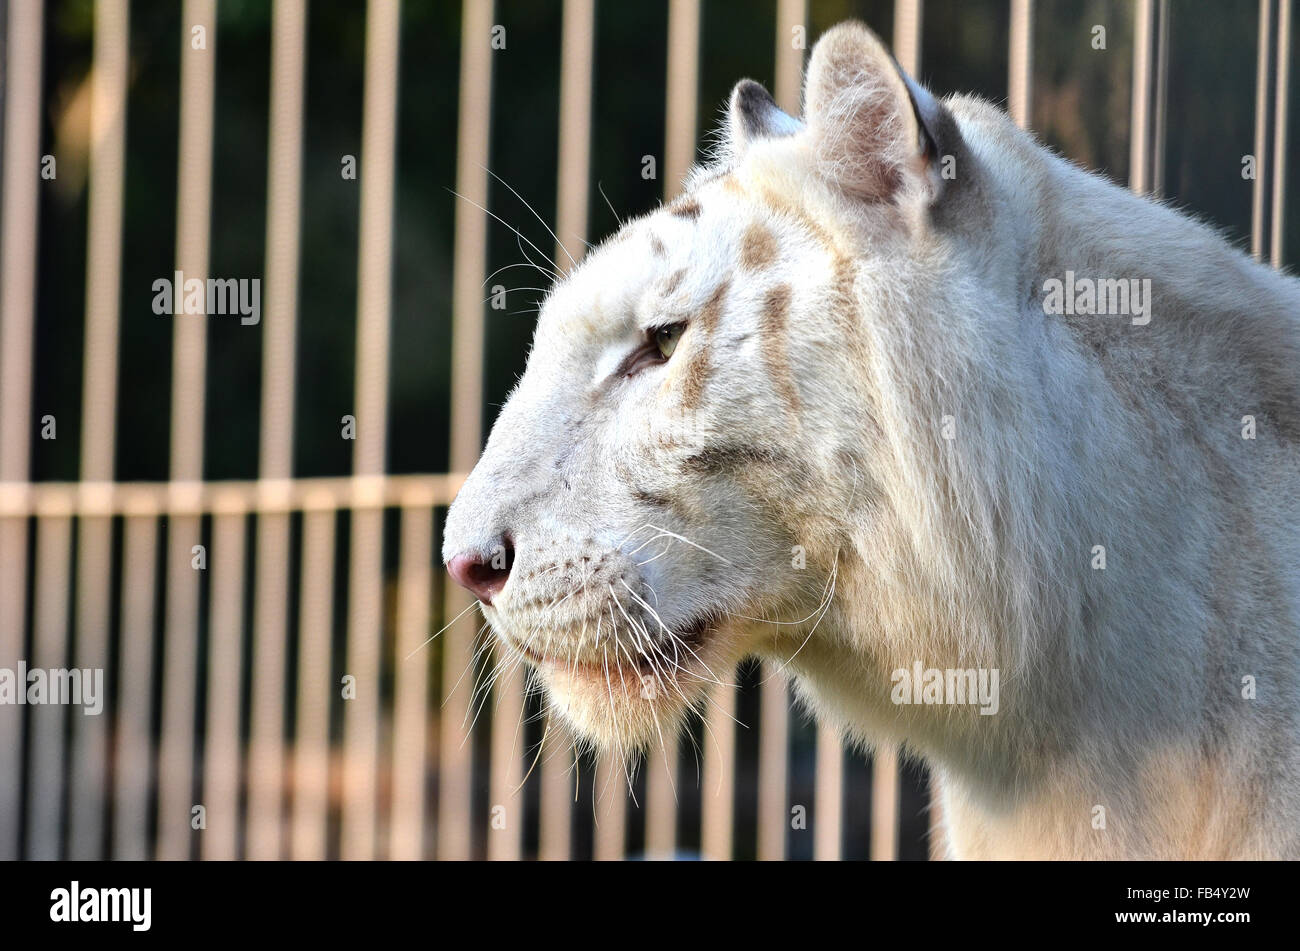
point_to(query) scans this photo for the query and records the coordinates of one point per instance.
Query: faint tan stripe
(884, 804)
(789, 58)
(1280, 131)
(374, 293)
(411, 684)
(907, 35)
(316, 688)
(718, 790)
(773, 765)
(1020, 81)
(193, 203)
(133, 759)
(506, 771)
(21, 195)
(1263, 166)
(270, 605)
(50, 650)
(611, 810)
(221, 753)
(227, 497)
(683, 92)
(99, 405)
(828, 802)
(469, 268)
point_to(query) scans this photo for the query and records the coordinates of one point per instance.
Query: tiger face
(671, 484)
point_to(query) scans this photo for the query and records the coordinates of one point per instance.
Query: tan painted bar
(134, 754)
(316, 689)
(411, 685)
(22, 140)
(221, 744)
(265, 827)
(1281, 132)
(106, 178)
(46, 720)
(718, 789)
(189, 358)
(1020, 69)
(469, 268)
(828, 804)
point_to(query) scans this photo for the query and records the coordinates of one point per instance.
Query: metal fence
(226, 734)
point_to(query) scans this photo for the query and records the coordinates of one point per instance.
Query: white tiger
(826, 408)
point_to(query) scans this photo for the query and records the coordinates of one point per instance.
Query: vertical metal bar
(99, 407)
(1020, 78)
(571, 226)
(1159, 108)
(575, 128)
(718, 794)
(828, 796)
(679, 153)
(661, 800)
(411, 684)
(1259, 230)
(557, 794)
(374, 300)
(21, 197)
(469, 268)
(1140, 121)
(683, 91)
(46, 720)
(907, 35)
(271, 592)
(316, 688)
(133, 760)
(884, 805)
(221, 759)
(1280, 131)
(774, 693)
(611, 809)
(828, 840)
(790, 15)
(505, 828)
(193, 203)
(773, 765)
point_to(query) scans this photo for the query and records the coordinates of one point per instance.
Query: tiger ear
(876, 132)
(753, 114)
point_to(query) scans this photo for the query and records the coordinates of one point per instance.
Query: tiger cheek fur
(816, 410)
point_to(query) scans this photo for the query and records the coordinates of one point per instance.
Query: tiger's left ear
(753, 114)
(877, 133)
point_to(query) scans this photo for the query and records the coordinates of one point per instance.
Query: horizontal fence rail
(321, 690)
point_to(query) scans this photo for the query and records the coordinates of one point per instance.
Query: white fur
(915, 298)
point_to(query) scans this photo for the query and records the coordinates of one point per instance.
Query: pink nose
(483, 577)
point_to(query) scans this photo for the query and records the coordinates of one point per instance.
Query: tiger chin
(817, 410)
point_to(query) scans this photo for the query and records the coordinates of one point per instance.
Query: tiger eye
(666, 338)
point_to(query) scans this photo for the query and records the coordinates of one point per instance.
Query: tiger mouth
(686, 640)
